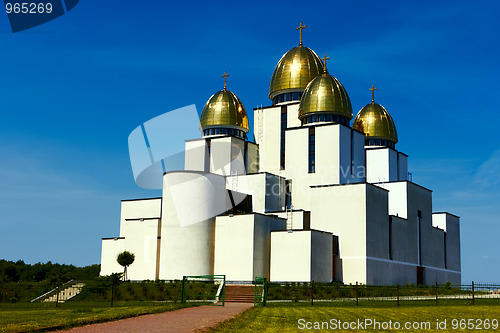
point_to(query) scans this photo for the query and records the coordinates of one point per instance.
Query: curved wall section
(191, 200)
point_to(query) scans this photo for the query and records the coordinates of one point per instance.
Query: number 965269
(28, 8)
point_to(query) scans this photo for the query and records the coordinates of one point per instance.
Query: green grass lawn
(285, 317)
(25, 317)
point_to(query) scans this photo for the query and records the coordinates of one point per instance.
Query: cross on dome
(225, 79)
(324, 61)
(373, 93)
(300, 27)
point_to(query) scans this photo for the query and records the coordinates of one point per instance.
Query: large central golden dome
(294, 71)
(376, 123)
(224, 110)
(325, 95)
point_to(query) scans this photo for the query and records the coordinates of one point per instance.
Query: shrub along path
(183, 320)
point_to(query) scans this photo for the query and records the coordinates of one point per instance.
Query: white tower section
(385, 165)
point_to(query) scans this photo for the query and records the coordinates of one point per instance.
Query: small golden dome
(224, 109)
(294, 71)
(325, 94)
(374, 120)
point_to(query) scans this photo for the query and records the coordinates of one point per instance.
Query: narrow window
(283, 129)
(352, 153)
(312, 150)
(288, 193)
(207, 159)
(390, 237)
(419, 237)
(445, 261)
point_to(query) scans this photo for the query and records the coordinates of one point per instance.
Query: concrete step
(239, 293)
(69, 290)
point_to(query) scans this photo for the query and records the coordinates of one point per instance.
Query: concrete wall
(196, 155)
(269, 143)
(138, 209)
(377, 222)
(398, 198)
(321, 256)
(263, 227)
(139, 222)
(302, 256)
(267, 190)
(234, 247)
(402, 166)
(291, 256)
(386, 272)
(243, 245)
(141, 238)
(359, 158)
(252, 164)
(451, 225)
(339, 159)
(227, 156)
(342, 210)
(385, 165)
(300, 219)
(404, 240)
(111, 247)
(188, 249)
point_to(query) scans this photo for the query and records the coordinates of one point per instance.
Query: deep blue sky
(73, 89)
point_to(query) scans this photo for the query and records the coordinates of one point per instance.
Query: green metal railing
(210, 288)
(260, 291)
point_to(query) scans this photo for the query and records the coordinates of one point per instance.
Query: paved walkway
(183, 320)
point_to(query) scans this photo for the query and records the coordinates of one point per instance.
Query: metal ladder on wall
(260, 133)
(289, 219)
(234, 180)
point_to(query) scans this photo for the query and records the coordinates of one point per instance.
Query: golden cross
(373, 93)
(300, 28)
(325, 59)
(225, 78)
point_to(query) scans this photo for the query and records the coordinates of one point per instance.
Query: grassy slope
(285, 318)
(26, 317)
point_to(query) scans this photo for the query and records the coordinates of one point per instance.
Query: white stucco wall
(196, 155)
(321, 256)
(111, 247)
(269, 143)
(267, 190)
(243, 245)
(341, 210)
(451, 225)
(189, 250)
(138, 234)
(252, 165)
(291, 256)
(398, 198)
(227, 156)
(377, 222)
(385, 165)
(141, 238)
(300, 219)
(402, 166)
(138, 209)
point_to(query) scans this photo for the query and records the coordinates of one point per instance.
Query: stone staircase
(240, 293)
(67, 291)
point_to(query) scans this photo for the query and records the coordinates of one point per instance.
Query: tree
(125, 259)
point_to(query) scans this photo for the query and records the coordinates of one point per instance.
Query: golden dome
(374, 120)
(325, 94)
(294, 71)
(224, 109)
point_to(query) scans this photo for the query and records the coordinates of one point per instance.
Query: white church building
(318, 195)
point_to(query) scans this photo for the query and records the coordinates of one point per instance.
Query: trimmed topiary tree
(125, 259)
